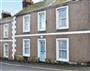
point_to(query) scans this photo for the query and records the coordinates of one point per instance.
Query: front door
(42, 49)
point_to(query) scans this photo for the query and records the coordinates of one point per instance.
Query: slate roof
(40, 5)
(6, 20)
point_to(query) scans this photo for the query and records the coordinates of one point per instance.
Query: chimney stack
(27, 3)
(5, 14)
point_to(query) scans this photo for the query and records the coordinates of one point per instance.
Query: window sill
(63, 28)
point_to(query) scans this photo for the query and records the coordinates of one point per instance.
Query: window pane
(26, 45)
(6, 28)
(62, 12)
(26, 23)
(62, 17)
(62, 22)
(41, 20)
(6, 33)
(62, 45)
(6, 50)
(26, 51)
(63, 54)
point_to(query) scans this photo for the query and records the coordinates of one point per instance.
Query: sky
(12, 6)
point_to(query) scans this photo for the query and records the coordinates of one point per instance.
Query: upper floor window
(5, 30)
(42, 21)
(62, 19)
(26, 23)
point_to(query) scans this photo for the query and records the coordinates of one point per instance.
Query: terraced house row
(56, 30)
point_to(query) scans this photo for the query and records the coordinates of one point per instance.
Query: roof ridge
(52, 3)
(40, 5)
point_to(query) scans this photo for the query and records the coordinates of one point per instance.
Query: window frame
(27, 55)
(5, 30)
(6, 56)
(57, 50)
(24, 30)
(38, 14)
(67, 18)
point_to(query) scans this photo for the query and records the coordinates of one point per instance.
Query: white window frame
(24, 30)
(38, 41)
(5, 30)
(4, 54)
(27, 55)
(38, 14)
(67, 18)
(57, 48)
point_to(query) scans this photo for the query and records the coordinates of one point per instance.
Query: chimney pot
(27, 3)
(5, 14)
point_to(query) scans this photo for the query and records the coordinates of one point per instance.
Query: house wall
(78, 21)
(6, 21)
(6, 40)
(10, 49)
(1, 31)
(0, 42)
(89, 23)
(0, 49)
(78, 47)
(79, 44)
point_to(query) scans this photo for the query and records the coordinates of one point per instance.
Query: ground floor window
(26, 47)
(62, 49)
(6, 50)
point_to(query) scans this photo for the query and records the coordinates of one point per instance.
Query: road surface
(21, 67)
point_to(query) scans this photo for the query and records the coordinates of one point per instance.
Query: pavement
(13, 66)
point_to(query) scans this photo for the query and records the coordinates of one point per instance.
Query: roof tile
(40, 5)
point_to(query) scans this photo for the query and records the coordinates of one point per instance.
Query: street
(14, 67)
(21, 67)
